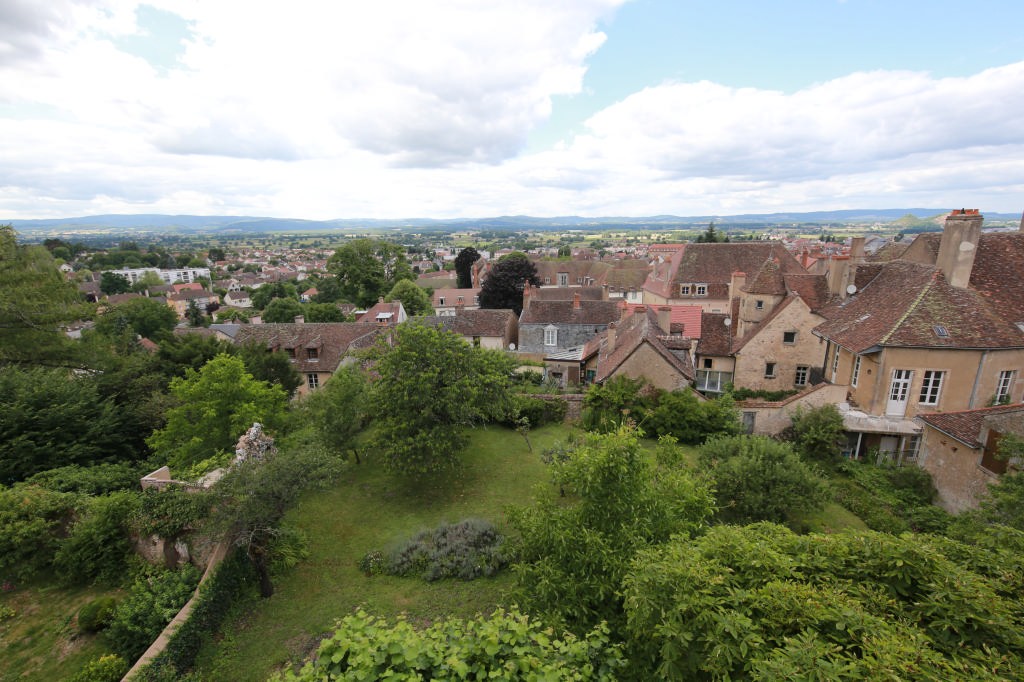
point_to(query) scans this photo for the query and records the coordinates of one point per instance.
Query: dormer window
(440, 300)
(700, 290)
(684, 289)
(758, 305)
(312, 354)
(290, 352)
(551, 335)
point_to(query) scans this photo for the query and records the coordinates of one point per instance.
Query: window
(940, 331)
(440, 300)
(291, 353)
(855, 375)
(707, 363)
(713, 382)
(788, 337)
(313, 381)
(684, 289)
(312, 354)
(801, 375)
(701, 290)
(769, 370)
(758, 305)
(1004, 386)
(590, 375)
(462, 300)
(835, 364)
(563, 279)
(931, 385)
(551, 336)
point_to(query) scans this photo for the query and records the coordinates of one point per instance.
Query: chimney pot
(576, 300)
(959, 245)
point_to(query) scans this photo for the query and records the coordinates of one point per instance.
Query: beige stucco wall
(767, 346)
(771, 418)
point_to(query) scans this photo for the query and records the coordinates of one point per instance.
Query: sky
(326, 109)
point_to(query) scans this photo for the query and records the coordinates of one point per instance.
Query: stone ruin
(254, 445)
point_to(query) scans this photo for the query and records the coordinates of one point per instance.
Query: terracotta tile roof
(684, 319)
(998, 273)
(488, 322)
(767, 280)
(563, 312)
(716, 338)
(906, 304)
(386, 313)
(451, 297)
(629, 273)
(966, 426)
(663, 268)
(331, 340)
(813, 289)
(713, 264)
(633, 332)
(591, 272)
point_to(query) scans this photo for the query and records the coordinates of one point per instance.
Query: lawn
(41, 641)
(370, 509)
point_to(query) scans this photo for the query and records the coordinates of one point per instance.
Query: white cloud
(404, 109)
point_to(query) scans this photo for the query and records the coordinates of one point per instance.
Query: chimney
(255, 319)
(640, 311)
(380, 299)
(836, 276)
(856, 260)
(1021, 228)
(739, 279)
(526, 296)
(604, 287)
(610, 345)
(959, 245)
(623, 309)
(576, 301)
(300, 319)
(665, 319)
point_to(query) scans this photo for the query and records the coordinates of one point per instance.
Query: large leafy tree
(464, 266)
(339, 410)
(414, 299)
(503, 288)
(217, 404)
(52, 418)
(573, 557)
(282, 310)
(431, 385)
(34, 300)
(142, 316)
(265, 294)
(323, 312)
(112, 283)
(366, 269)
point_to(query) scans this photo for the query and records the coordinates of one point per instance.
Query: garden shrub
(106, 668)
(467, 550)
(682, 415)
(97, 614)
(761, 394)
(98, 479)
(31, 520)
(153, 600)
(606, 406)
(170, 512)
(6, 613)
(889, 499)
(760, 479)
(818, 433)
(98, 547)
(539, 411)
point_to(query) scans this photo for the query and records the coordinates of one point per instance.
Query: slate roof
(715, 338)
(563, 312)
(333, 340)
(633, 332)
(903, 305)
(713, 264)
(966, 425)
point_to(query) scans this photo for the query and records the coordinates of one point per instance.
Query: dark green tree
(141, 316)
(262, 297)
(112, 283)
(339, 410)
(273, 367)
(323, 312)
(503, 288)
(366, 269)
(431, 385)
(194, 314)
(282, 310)
(328, 290)
(464, 267)
(818, 433)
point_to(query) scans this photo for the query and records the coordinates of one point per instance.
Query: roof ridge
(911, 308)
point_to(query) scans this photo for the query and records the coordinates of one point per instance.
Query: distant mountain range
(250, 224)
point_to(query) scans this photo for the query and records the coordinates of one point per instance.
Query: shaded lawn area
(371, 509)
(41, 642)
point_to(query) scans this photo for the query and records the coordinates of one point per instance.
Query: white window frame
(550, 336)
(313, 381)
(1004, 385)
(684, 289)
(563, 279)
(835, 364)
(700, 290)
(931, 387)
(758, 305)
(789, 343)
(855, 374)
(802, 372)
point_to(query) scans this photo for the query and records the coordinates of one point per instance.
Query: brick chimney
(959, 245)
(640, 311)
(623, 309)
(604, 287)
(526, 296)
(576, 301)
(255, 319)
(612, 329)
(665, 319)
(300, 319)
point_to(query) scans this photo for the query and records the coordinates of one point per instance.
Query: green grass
(371, 509)
(832, 519)
(41, 642)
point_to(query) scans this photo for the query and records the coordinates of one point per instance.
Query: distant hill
(256, 224)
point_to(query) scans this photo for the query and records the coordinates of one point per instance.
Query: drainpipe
(977, 379)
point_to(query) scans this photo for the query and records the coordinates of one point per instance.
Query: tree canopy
(464, 267)
(503, 288)
(414, 299)
(366, 269)
(430, 385)
(142, 316)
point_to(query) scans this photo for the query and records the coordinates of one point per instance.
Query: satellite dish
(728, 322)
(852, 289)
(511, 346)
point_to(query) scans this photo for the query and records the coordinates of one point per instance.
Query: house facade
(546, 326)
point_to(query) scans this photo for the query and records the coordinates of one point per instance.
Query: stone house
(316, 349)
(546, 326)
(494, 329)
(914, 338)
(959, 450)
